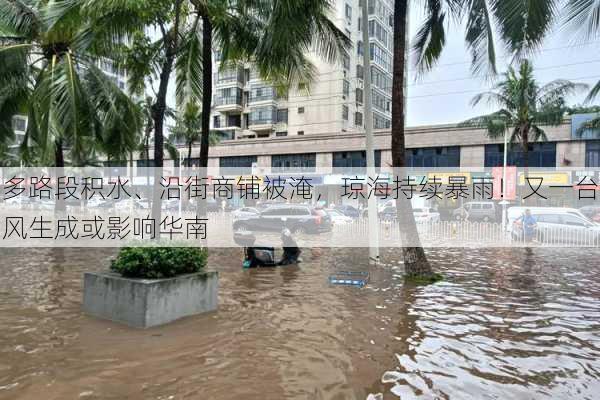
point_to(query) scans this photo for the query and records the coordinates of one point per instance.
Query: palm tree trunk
(189, 157)
(206, 88)
(59, 162)
(206, 103)
(415, 262)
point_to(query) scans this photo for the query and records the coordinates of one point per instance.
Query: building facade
(246, 107)
(427, 147)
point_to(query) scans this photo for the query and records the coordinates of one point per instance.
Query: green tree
(522, 26)
(524, 107)
(48, 71)
(188, 128)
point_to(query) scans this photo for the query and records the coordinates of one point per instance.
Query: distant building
(245, 107)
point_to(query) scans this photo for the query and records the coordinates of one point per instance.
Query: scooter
(265, 256)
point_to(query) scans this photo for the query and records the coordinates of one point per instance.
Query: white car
(244, 212)
(425, 215)
(338, 218)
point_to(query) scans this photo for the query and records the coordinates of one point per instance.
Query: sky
(433, 98)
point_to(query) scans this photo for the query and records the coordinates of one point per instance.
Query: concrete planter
(144, 303)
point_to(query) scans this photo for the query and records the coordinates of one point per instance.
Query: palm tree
(188, 128)
(583, 17)
(522, 26)
(48, 70)
(524, 107)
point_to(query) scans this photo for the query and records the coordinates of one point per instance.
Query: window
(359, 48)
(358, 119)
(572, 220)
(377, 31)
(381, 122)
(237, 162)
(348, 12)
(216, 121)
(345, 113)
(346, 88)
(381, 102)
(354, 161)
(300, 110)
(540, 155)
(229, 96)
(359, 95)
(263, 115)
(549, 218)
(433, 157)
(303, 162)
(360, 72)
(282, 116)
(380, 56)
(280, 134)
(300, 133)
(346, 61)
(381, 80)
(262, 93)
(592, 154)
(19, 124)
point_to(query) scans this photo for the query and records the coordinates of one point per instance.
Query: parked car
(337, 217)
(561, 226)
(592, 212)
(244, 213)
(476, 211)
(426, 214)
(348, 210)
(297, 218)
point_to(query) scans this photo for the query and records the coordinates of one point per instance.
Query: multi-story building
(245, 107)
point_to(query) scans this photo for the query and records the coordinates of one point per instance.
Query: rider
(529, 224)
(291, 252)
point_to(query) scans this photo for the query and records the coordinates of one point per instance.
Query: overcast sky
(430, 101)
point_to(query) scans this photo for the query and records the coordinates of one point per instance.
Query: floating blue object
(351, 278)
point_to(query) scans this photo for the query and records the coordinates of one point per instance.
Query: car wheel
(299, 230)
(458, 218)
(486, 219)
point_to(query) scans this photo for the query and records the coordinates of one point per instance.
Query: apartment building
(246, 107)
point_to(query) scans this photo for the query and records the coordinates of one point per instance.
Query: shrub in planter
(159, 262)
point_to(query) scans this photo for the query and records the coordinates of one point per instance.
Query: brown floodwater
(505, 324)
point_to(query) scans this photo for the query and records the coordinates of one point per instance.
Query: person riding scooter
(265, 256)
(291, 252)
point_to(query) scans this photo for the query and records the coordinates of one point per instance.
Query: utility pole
(368, 121)
(504, 202)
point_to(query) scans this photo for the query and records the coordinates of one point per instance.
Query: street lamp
(504, 202)
(368, 120)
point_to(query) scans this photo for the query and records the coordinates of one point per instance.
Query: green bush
(158, 262)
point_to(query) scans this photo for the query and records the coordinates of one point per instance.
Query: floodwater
(505, 324)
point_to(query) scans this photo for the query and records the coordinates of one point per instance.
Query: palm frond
(593, 93)
(431, 36)
(524, 24)
(20, 17)
(583, 17)
(480, 38)
(189, 68)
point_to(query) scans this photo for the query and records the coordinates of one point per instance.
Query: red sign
(511, 183)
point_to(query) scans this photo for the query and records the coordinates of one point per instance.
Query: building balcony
(231, 103)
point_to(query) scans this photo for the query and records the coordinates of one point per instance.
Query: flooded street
(506, 323)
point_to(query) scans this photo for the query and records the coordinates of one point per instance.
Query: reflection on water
(513, 325)
(506, 323)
